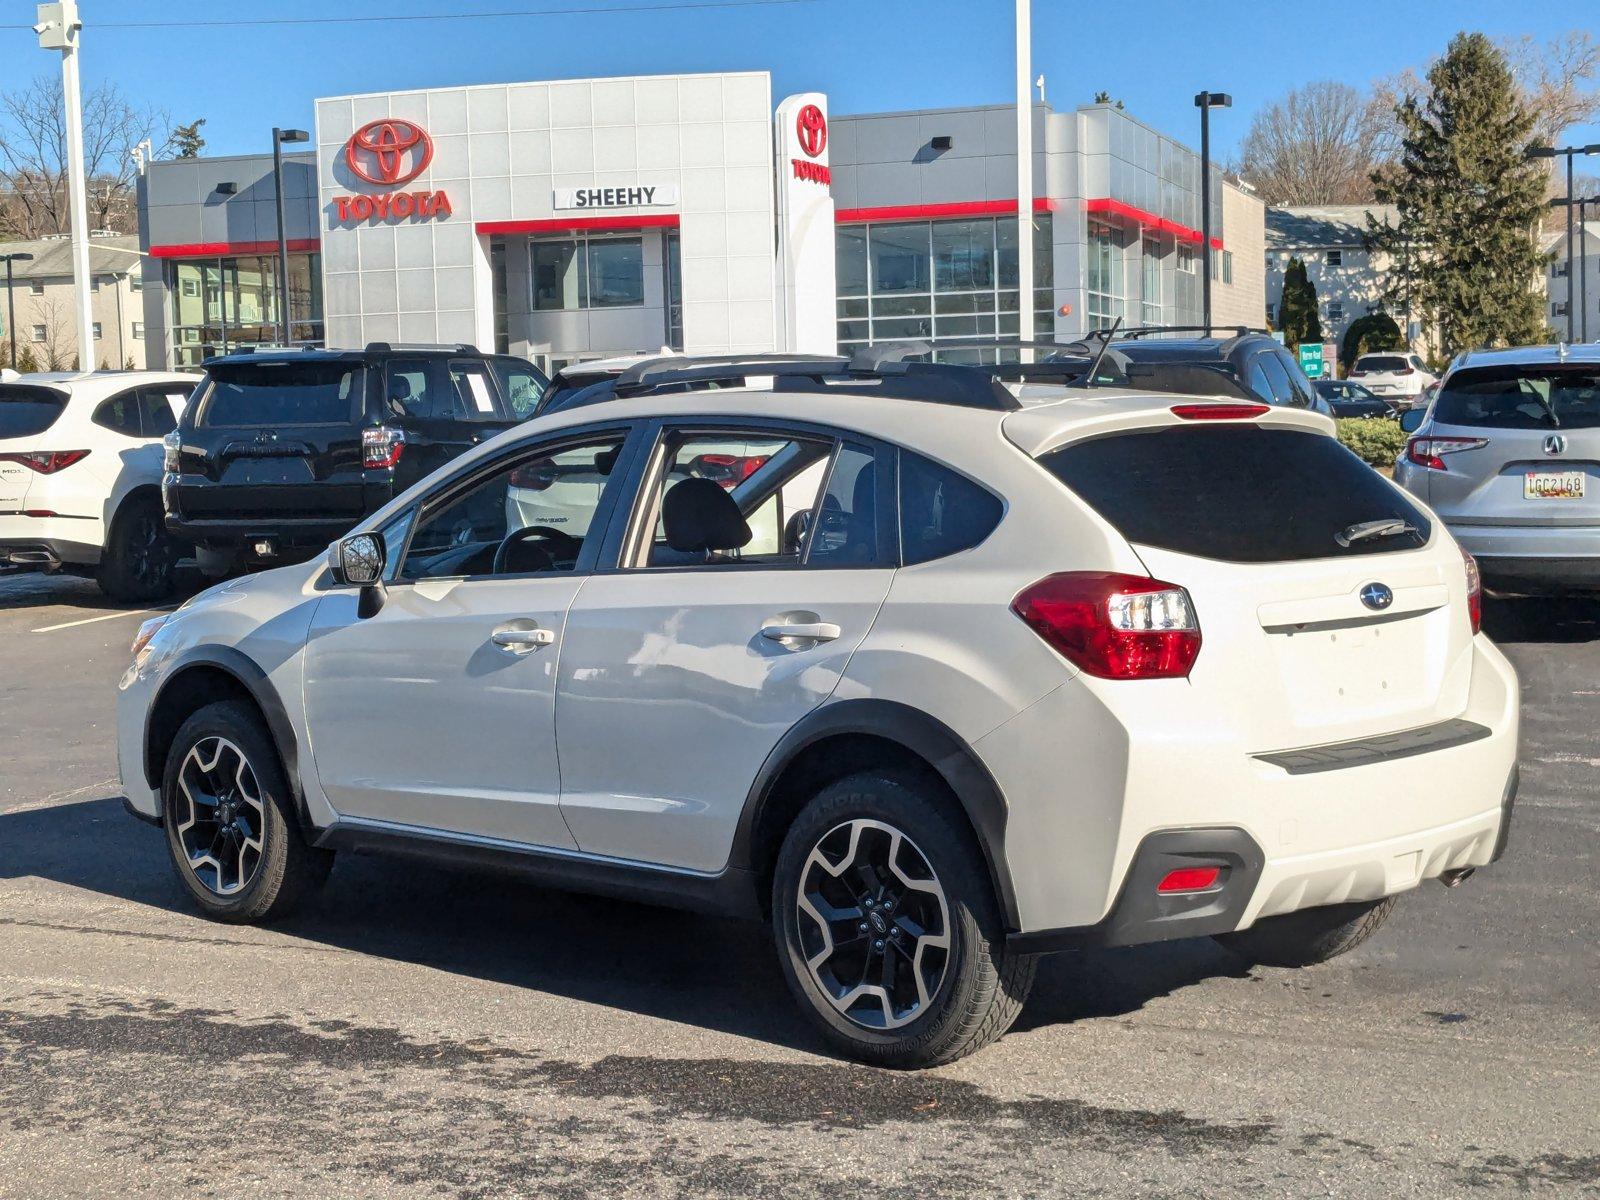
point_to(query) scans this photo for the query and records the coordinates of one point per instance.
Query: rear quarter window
(1237, 493)
(282, 393)
(27, 410)
(941, 512)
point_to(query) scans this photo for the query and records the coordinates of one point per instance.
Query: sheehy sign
(638, 195)
(807, 320)
(386, 154)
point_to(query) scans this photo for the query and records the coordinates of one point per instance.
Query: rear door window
(474, 391)
(282, 393)
(413, 391)
(26, 410)
(941, 512)
(523, 385)
(1247, 494)
(120, 414)
(1519, 397)
(1277, 380)
(159, 407)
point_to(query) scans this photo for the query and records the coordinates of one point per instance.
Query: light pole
(1569, 152)
(1025, 174)
(59, 29)
(1205, 102)
(1583, 268)
(11, 300)
(279, 138)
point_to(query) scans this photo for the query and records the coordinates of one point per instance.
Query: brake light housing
(1219, 411)
(1474, 592)
(1114, 626)
(534, 477)
(1429, 452)
(46, 462)
(171, 452)
(381, 447)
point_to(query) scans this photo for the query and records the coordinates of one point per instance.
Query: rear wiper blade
(1363, 531)
(1549, 411)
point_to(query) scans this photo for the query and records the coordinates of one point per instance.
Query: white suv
(945, 681)
(80, 476)
(1396, 375)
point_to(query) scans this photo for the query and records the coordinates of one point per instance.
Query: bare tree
(1318, 145)
(33, 157)
(50, 314)
(1559, 81)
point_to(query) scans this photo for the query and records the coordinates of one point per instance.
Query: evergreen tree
(1469, 202)
(1297, 314)
(1375, 331)
(186, 140)
(27, 361)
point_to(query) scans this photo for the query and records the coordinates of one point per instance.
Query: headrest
(698, 516)
(399, 387)
(606, 460)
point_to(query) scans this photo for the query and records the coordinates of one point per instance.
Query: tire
(141, 557)
(233, 882)
(1310, 936)
(836, 854)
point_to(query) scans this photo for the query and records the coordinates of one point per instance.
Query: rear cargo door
(275, 440)
(27, 413)
(1318, 625)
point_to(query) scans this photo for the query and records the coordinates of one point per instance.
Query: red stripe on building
(1106, 206)
(928, 212)
(580, 224)
(230, 249)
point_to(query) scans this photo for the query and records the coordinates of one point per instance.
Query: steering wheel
(560, 545)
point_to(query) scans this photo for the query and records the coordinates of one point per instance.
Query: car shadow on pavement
(1550, 619)
(713, 973)
(37, 589)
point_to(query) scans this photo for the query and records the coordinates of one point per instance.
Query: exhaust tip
(1456, 877)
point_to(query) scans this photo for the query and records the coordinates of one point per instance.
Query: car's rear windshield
(282, 393)
(1240, 493)
(1380, 362)
(1521, 397)
(26, 409)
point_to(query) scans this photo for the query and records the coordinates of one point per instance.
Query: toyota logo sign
(812, 129)
(380, 151)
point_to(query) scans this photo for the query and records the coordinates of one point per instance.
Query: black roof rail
(935, 383)
(1202, 330)
(449, 348)
(1067, 358)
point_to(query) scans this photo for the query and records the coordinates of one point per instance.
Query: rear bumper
(292, 534)
(1534, 558)
(1082, 806)
(47, 544)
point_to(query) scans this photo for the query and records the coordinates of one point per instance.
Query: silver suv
(1508, 454)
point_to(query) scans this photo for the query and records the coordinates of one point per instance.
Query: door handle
(812, 631)
(521, 641)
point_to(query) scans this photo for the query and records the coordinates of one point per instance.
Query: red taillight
(1429, 452)
(381, 446)
(1219, 412)
(729, 470)
(534, 477)
(1406, 371)
(46, 462)
(1474, 592)
(1114, 626)
(1188, 879)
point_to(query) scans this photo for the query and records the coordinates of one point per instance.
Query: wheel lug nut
(863, 927)
(878, 945)
(868, 901)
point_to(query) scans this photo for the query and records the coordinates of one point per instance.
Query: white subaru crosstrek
(945, 681)
(80, 476)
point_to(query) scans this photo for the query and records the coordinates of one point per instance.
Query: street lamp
(279, 138)
(1205, 102)
(1569, 152)
(11, 300)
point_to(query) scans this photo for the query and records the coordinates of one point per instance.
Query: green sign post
(1311, 359)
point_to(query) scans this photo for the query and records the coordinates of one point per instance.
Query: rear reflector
(1219, 411)
(38, 512)
(1114, 626)
(46, 462)
(381, 447)
(1188, 879)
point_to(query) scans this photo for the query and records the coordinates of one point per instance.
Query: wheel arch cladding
(117, 505)
(841, 739)
(206, 676)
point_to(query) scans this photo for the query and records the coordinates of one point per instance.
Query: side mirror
(358, 561)
(1411, 420)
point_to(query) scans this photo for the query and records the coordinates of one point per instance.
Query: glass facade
(223, 304)
(1150, 293)
(939, 280)
(1104, 279)
(588, 272)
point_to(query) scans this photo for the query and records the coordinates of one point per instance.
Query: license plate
(1552, 485)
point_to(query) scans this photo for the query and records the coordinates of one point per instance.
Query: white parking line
(137, 612)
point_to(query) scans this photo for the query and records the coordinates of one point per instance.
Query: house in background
(1585, 282)
(47, 326)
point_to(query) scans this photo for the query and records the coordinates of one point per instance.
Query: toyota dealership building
(580, 218)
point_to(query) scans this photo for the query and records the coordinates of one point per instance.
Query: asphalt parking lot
(419, 1033)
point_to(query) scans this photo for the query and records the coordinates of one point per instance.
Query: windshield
(282, 393)
(1521, 397)
(27, 410)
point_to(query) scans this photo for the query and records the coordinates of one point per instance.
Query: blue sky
(868, 55)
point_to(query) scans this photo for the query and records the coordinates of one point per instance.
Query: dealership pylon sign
(807, 322)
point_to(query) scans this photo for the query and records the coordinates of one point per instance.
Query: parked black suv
(281, 451)
(1253, 362)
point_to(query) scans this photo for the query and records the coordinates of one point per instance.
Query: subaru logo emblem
(1555, 444)
(1377, 596)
